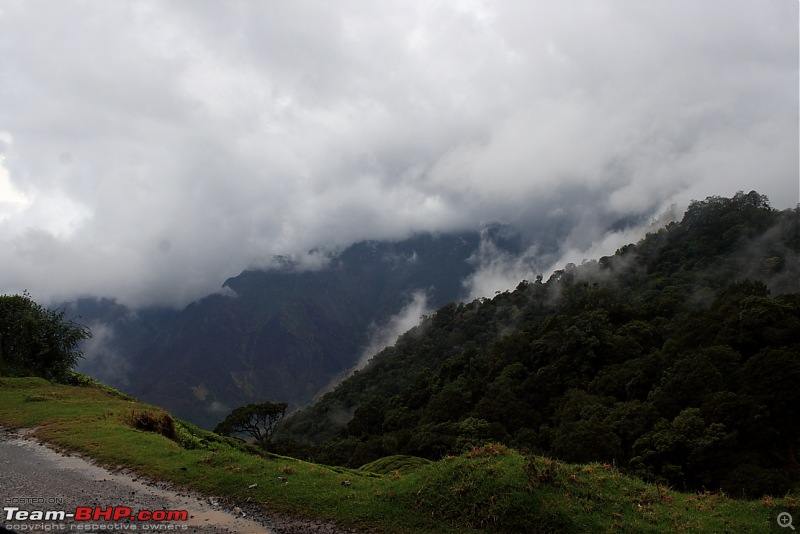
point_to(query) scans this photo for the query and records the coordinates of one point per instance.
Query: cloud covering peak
(151, 150)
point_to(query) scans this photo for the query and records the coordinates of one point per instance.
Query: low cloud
(610, 241)
(498, 269)
(101, 359)
(386, 335)
(381, 337)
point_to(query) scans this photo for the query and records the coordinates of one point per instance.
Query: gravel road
(36, 477)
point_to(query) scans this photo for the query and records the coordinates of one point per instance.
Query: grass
(395, 464)
(490, 488)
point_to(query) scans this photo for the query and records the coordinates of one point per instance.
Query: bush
(158, 422)
(36, 341)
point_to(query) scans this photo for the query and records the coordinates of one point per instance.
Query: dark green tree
(37, 341)
(256, 420)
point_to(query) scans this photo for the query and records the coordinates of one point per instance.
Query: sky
(150, 150)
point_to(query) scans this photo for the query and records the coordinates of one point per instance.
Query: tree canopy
(37, 341)
(256, 420)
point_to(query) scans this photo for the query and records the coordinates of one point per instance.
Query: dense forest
(677, 359)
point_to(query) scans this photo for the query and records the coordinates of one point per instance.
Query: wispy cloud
(385, 335)
(101, 360)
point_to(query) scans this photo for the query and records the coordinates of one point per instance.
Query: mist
(385, 335)
(101, 360)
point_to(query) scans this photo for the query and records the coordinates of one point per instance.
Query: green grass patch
(490, 488)
(398, 463)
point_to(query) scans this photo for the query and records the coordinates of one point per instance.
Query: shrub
(158, 422)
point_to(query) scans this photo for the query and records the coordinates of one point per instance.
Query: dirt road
(34, 477)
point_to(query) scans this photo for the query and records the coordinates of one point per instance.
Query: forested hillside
(677, 359)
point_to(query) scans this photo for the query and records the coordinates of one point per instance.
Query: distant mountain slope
(280, 334)
(119, 336)
(670, 358)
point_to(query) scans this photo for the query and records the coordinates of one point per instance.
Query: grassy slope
(491, 488)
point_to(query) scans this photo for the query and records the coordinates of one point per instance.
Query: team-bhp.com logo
(95, 513)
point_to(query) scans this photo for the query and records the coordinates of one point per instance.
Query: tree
(36, 341)
(257, 420)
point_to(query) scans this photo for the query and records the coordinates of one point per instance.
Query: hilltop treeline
(677, 359)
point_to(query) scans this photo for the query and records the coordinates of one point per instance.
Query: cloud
(101, 360)
(386, 335)
(12, 200)
(383, 336)
(498, 269)
(152, 150)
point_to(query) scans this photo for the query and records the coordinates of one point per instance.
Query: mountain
(280, 334)
(120, 336)
(676, 359)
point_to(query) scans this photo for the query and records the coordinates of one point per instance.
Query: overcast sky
(150, 150)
